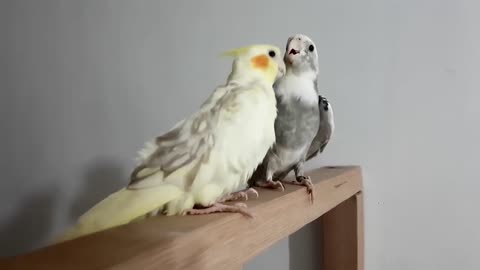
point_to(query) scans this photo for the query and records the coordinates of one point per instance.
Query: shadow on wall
(305, 247)
(102, 177)
(30, 225)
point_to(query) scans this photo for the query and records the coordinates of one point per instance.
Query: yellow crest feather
(242, 50)
(237, 52)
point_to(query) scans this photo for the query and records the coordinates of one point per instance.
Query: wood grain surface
(217, 241)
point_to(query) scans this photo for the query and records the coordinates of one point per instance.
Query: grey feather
(325, 129)
(190, 141)
(303, 127)
(296, 125)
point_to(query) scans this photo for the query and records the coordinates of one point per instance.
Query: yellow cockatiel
(204, 158)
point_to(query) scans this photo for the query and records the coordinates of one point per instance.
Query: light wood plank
(343, 236)
(218, 241)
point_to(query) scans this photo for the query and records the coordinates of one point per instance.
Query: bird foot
(303, 181)
(270, 184)
(222, 208)
(240, 195)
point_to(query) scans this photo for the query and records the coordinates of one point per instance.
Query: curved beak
(293, 50)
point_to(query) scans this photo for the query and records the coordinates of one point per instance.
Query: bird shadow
(102, 177)
(305, 247)
(31, 224)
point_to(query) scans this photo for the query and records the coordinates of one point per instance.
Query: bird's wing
(188, 143)
(325, 129)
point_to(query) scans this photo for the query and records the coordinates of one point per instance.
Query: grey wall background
(85, 83)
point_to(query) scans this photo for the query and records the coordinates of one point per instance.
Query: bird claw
(240, 195)
(252, 192)
(270, 184)
(307, 182)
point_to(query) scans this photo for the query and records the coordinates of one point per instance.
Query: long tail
(120, 208)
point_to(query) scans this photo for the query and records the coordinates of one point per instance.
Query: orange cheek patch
(260, 61)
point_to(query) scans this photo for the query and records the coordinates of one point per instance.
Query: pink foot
(240, 195)
(221, 208)
(270, 184)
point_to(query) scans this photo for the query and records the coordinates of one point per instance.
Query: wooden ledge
(217, 241)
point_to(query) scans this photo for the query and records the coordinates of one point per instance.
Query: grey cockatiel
(304, 122)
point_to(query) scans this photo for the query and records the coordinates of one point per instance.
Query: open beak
(291, 55)
(294, 47)
(293, 52)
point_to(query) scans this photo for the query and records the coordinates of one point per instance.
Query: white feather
(147, 150)
(294, 86)
(242, 135)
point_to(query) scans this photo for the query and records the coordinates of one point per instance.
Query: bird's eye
(271, 54)
(311, 48)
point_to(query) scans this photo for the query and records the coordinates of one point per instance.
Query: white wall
(84, 83)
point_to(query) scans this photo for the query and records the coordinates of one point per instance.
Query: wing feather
(189, 142)
(325, 129)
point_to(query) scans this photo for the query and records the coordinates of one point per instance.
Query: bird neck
(248, 77)
(299, 72)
